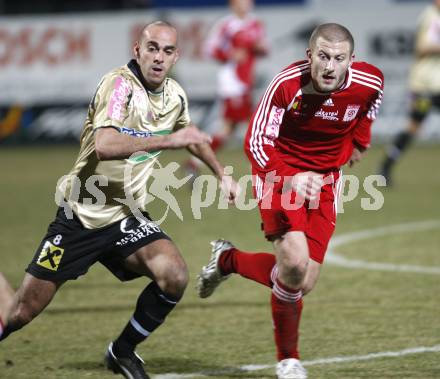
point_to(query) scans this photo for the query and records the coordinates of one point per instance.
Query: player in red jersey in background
(314, 117)
(235, 42)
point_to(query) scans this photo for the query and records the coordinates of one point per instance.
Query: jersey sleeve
(184, 118)
(111, 101)
(218, 45)
(261, 39)
(362, 131)
(263, 131)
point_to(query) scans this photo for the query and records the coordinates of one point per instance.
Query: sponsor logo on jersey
(268, 141)
(141, 157)
(134, 132)
(50, 256)
(332, 116)
(274, 122)
(297, 106)
(329, 102)
(351, 112)
(118, 99)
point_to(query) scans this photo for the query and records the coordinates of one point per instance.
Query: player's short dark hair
(332, 32)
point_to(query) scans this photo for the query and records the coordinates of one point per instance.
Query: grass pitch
(352, 311)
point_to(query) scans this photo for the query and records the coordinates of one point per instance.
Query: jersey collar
(136, 70)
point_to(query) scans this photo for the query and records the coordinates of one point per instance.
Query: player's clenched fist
(188, 136)
(307, 184)
(230, 188)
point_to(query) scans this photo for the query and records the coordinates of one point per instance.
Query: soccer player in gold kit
(136, 112)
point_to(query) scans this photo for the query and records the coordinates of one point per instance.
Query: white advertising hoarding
(60, 59)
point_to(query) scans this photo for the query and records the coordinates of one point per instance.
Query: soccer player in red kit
(314, 117)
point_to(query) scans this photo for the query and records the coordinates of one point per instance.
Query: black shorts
(421, 105)
(68, 249)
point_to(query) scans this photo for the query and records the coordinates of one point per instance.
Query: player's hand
(230, 188)
(238, 55)
(260, 48)
(356, 157)
(188, 136)
(307, 184)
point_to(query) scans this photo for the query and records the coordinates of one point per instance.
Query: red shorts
(280, 214)
(238, 109)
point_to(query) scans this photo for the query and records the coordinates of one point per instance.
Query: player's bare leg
(162, 262)
(29, 301)
(193, 165)
(6, 299)
(311, 277)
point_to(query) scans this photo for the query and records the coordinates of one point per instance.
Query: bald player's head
(333, 33)
(161, 24)
(156, 52)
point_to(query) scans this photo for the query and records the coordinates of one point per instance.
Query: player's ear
(176, 57)
(351, 60)
(309, 55)
(136, 50)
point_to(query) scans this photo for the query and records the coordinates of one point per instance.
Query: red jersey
(294, 126)
(231, 33)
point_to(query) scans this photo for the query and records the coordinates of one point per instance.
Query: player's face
(242, 7)
(156, 52)
(329, 64)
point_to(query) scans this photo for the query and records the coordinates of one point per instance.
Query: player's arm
(110, 144)
(362, 131)
(110, 107)
(427, 42)
(266, 161)
(260, 46)
(425, 51)
(263, 132)
(204, 152)
(216, 45)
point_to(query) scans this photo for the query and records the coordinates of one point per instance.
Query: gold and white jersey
(102, 192)
(425, 72)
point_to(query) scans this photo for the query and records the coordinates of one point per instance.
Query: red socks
(286, 302)
(286, 314)
(217, 142)
(254, 266)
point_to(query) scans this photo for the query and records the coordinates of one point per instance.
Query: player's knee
(293, 269)
(23, 314)
(293, 260)
(180, 279)
(176, 280)
(308, 287)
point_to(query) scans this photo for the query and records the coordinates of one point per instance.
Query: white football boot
(291, 369)
(210, 277)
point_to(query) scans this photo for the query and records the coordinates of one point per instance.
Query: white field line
(323, 361)
(337, 259)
